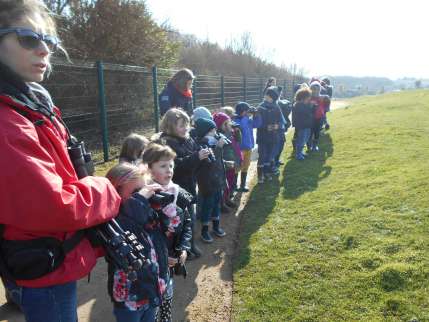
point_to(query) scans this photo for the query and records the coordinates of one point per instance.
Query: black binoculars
(161, 199)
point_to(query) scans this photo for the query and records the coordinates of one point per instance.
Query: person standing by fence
(178, 92)
(43, 204)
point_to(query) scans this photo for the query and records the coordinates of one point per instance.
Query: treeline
(124, 32)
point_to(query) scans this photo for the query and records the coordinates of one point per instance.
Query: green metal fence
(102, 103)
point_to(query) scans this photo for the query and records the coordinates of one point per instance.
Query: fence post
(222, 90)
(155, 97)
(285, 88)
(194, 93)
(103, 113)
(261, 89)
(244, 89)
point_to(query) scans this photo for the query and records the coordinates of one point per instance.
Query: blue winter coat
(247, 125)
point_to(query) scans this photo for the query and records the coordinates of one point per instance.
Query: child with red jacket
(320, 104)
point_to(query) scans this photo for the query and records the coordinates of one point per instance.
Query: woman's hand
(149, 190)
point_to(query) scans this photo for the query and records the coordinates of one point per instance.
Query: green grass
(343, 236)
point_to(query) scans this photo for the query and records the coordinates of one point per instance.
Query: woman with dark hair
(178, 92)
(44, 207)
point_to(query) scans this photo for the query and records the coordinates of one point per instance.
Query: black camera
(211, 157)
(221, 136)
(161, 199)
(81, 159)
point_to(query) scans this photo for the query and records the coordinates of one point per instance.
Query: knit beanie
(201, 113)
(274, 92)
(220, 118)
(241, 107)
(203, 126)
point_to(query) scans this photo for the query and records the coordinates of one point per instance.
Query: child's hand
(221, 143)
(183, 256)
(203, 154)
(149, 190)
(172, 261)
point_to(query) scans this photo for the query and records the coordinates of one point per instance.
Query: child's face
(268, 99)
(212, 132)
(130, 187)
(182, 128)
(227, 126)
(315, 91)
(162, 171)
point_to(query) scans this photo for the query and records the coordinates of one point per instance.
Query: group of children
(197, 161)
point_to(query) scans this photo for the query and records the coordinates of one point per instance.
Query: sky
(387, 38)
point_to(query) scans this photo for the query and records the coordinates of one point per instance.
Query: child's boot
(268, 173)
(243, 187)
(217, 230)
(261, 175)
(315, 146)
(205, 235)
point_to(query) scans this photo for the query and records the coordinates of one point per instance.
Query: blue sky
(333, 37)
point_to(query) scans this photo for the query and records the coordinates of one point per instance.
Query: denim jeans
(267, 151)
(146, 313)
(47, 304)
(209, 207)
(302, 138)
(315, 132)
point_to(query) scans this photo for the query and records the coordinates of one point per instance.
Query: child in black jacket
(174, 216)
(211, 178)
(189, 156)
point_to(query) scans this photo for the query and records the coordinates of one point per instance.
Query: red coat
(41, 195)
(322, 104)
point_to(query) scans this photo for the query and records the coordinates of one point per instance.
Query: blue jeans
(267, 152)
(47, 304)
(280, 147)
(209, 207)
(302, 138)
(146, 313)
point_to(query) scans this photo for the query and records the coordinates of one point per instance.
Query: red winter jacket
(322, 104)
(41, 195)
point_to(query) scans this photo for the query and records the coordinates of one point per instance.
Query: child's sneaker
(205, 235)
(219, 232)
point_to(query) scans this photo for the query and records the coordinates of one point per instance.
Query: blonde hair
(170, 120)
(228, 110)
(157, 152)
(182, 77)
(132, 147)
(123, 173)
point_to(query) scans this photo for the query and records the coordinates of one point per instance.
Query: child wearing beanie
(210, 178)
(320, 103)
(231, 154)
(268, 133)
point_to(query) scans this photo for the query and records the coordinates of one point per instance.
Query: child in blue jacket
(247, 118)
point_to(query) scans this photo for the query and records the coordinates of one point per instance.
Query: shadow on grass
(260, 205)
(304, 176)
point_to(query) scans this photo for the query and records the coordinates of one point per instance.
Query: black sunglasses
(29, 39)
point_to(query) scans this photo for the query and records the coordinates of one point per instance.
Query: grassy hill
(343, 236)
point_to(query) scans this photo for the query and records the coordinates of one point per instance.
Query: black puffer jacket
(186, 162)
(211, 175)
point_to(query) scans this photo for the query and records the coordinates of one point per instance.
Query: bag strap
(69, 244)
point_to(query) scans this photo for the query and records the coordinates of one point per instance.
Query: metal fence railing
(102, 103)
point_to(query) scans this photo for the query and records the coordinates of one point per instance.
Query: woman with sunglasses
(40, 194)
